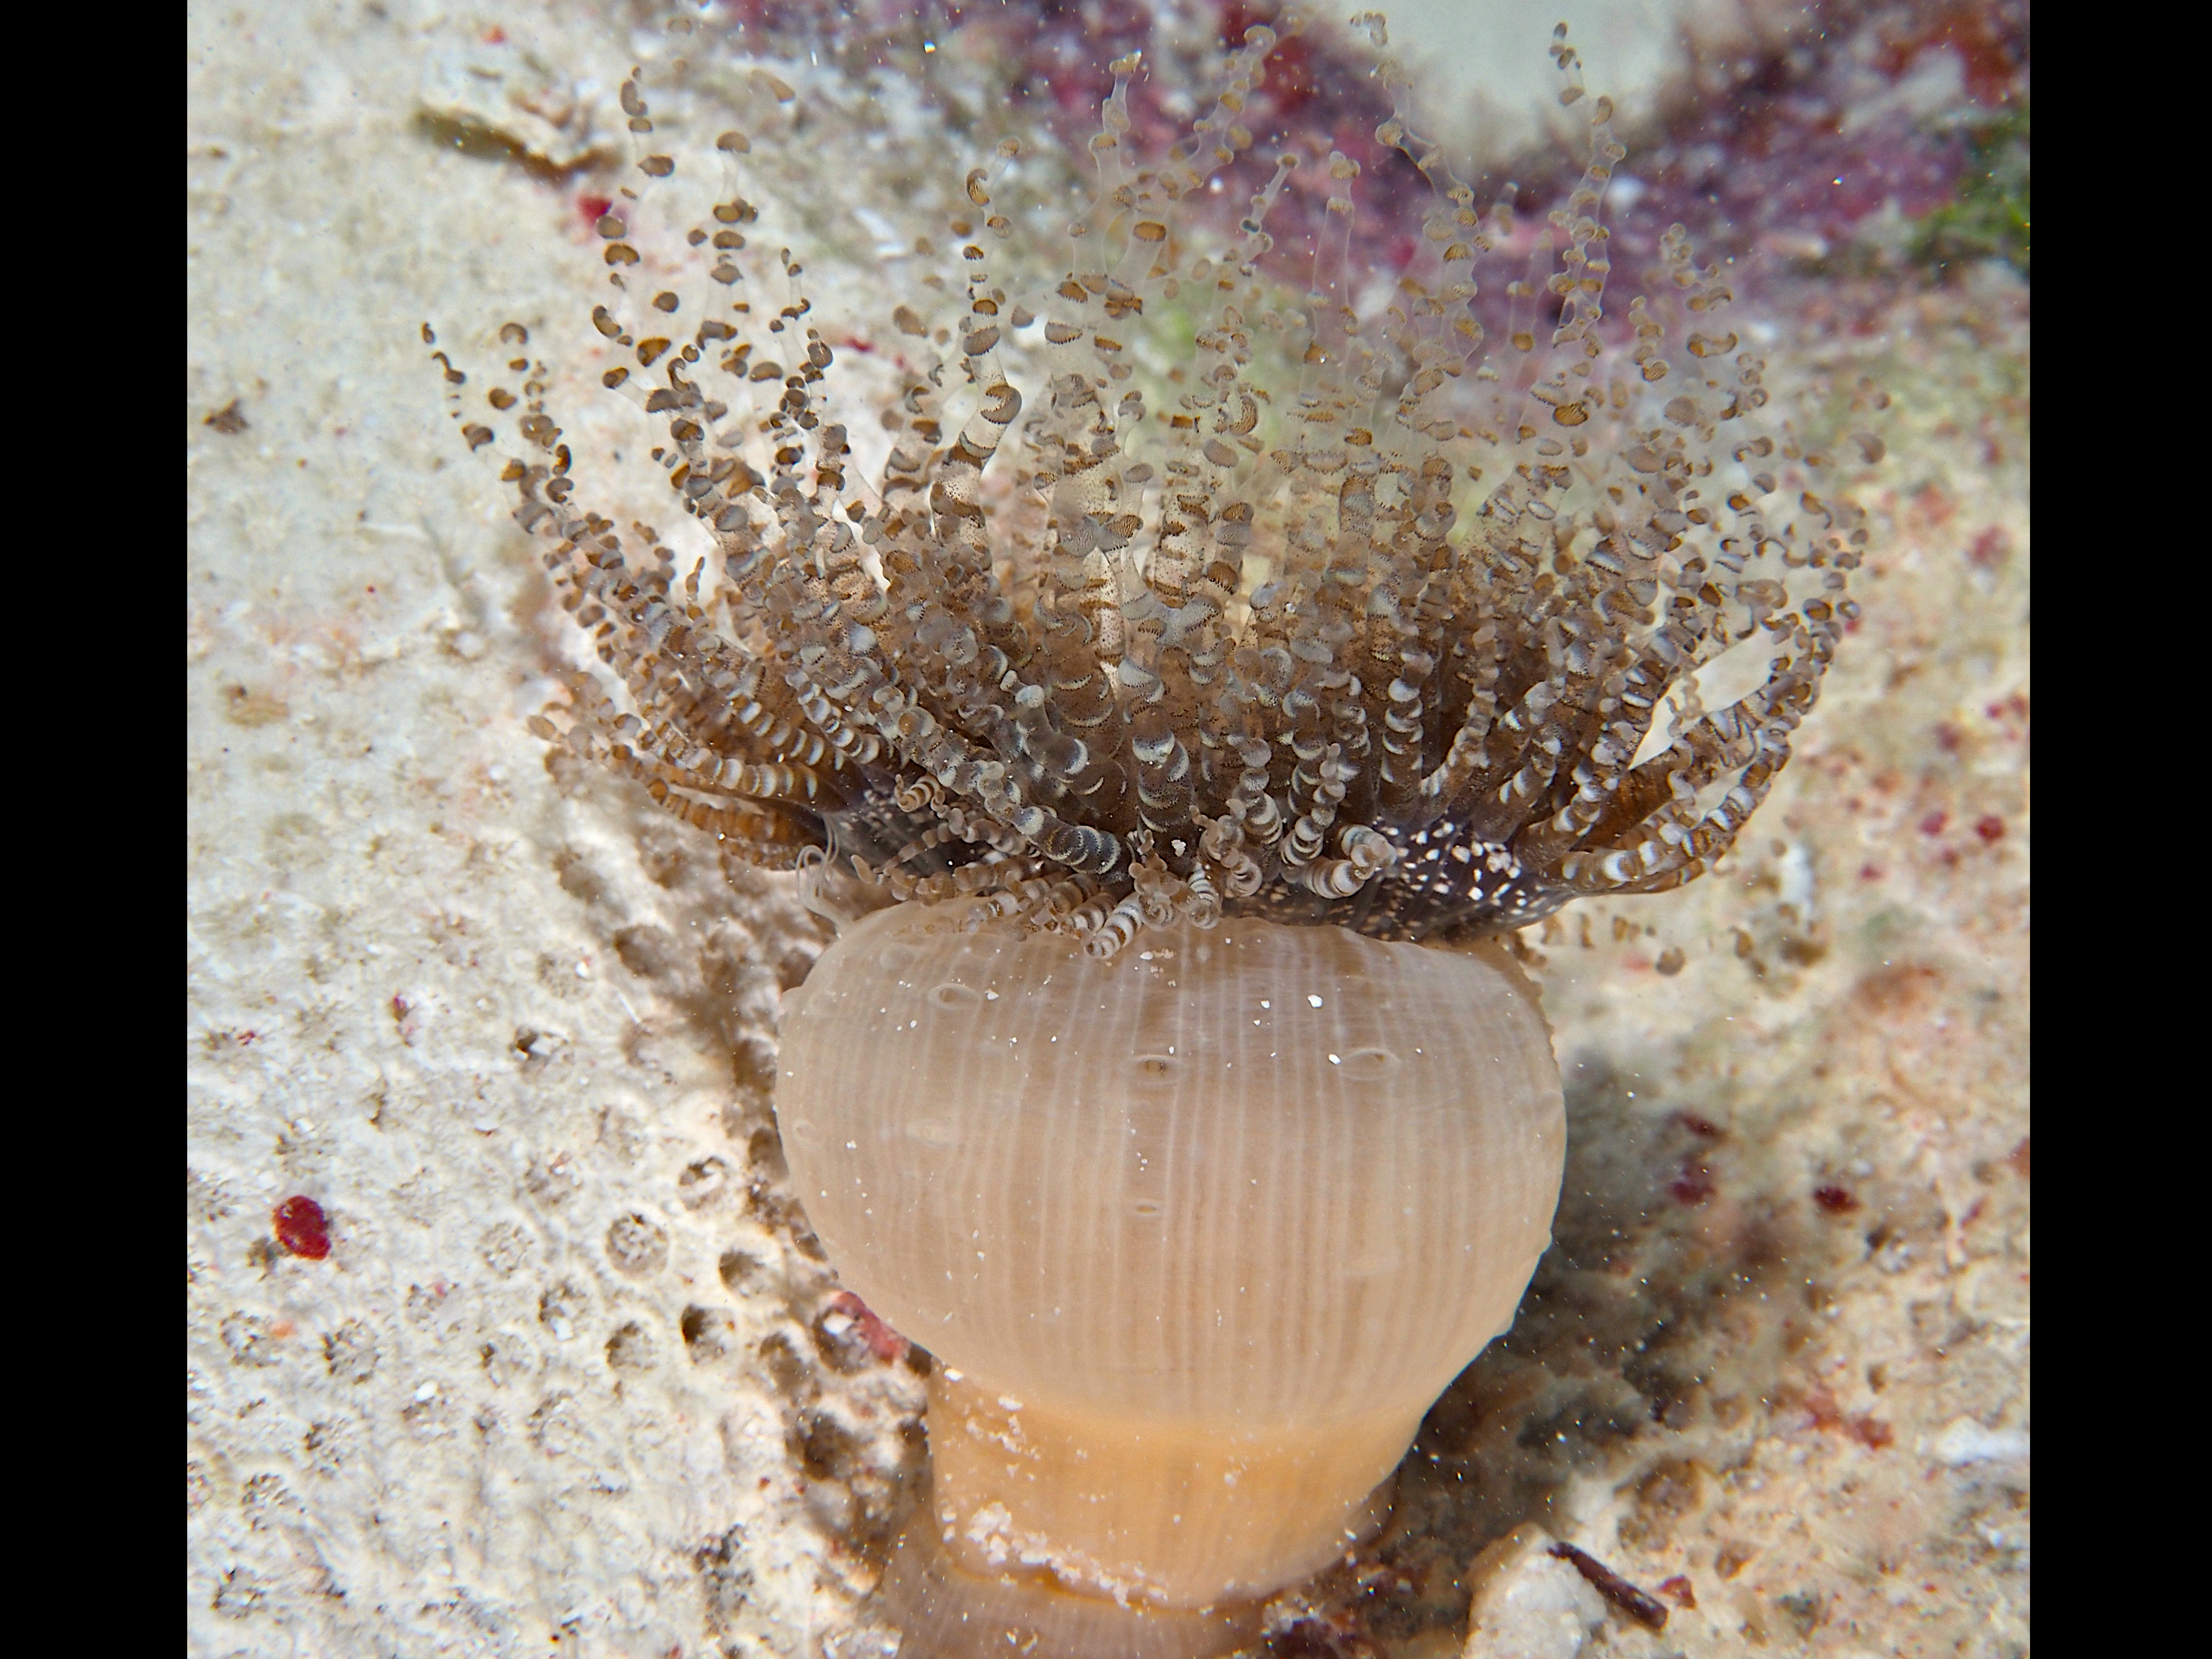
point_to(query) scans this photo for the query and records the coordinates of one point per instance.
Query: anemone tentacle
(1278, 650)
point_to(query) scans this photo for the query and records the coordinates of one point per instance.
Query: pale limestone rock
(1528, 1604)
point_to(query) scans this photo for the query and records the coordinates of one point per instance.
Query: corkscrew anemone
(1175, 1099)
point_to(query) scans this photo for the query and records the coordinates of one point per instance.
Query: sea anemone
(1217, 739)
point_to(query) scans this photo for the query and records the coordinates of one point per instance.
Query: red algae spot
(594, 209)
(1990, 826)
(1695, 1184)
(1934, 822)
(1836, 1201)
(1990, 47)
(1678, 1590)
(1936, 505)
(494, 36)
(884, 1342)
(1704, 1128)
(2018, 1157)
(1868, 1431)
(1871, 1433)
(302, 1228)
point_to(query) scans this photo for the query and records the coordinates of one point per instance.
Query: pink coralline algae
(1801, 151)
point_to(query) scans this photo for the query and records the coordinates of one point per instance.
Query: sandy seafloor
(569, 1380)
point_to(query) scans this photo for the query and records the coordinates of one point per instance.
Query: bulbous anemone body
(1197, 1232)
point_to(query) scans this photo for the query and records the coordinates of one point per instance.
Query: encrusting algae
(1406, 640)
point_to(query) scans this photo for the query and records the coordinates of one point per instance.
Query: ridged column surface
(1261, 1186)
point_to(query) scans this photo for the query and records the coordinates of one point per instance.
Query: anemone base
(946, 1612)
